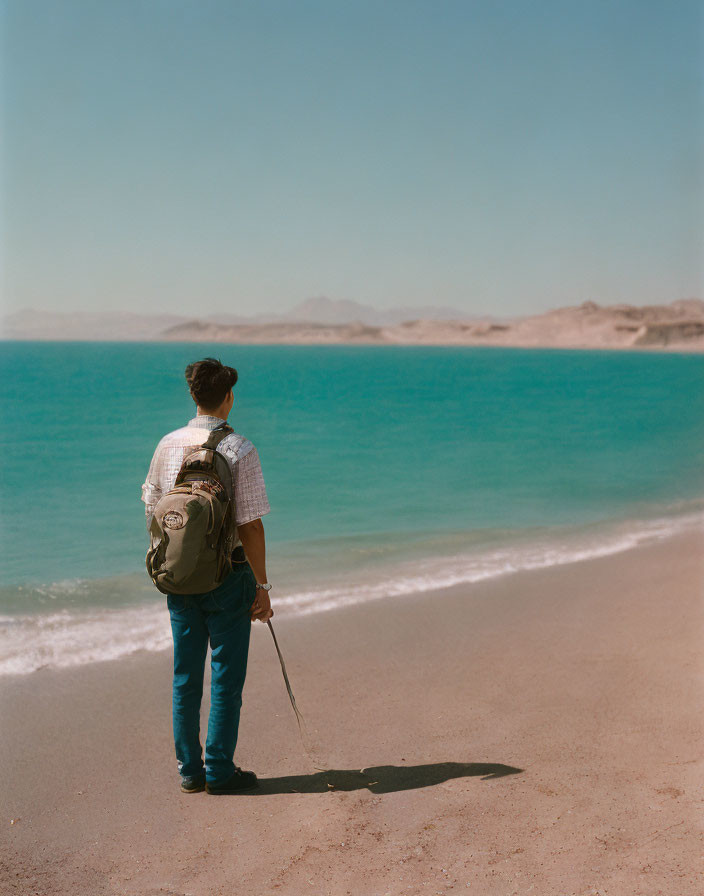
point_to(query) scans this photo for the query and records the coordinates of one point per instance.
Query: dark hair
(209, 381)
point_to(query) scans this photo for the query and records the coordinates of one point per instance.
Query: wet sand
(541, 732)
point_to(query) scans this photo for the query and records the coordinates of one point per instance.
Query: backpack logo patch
(209, 485)
(172, 519)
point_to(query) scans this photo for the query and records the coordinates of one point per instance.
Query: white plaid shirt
(251, 501)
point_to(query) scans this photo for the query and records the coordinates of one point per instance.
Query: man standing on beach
(222, 617)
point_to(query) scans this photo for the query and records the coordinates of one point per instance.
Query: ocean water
(389, 470)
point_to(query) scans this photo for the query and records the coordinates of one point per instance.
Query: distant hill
(679, 326)
(97, 326)
(343, 311)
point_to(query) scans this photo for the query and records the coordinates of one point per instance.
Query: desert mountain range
(677, 326)
(33, 324)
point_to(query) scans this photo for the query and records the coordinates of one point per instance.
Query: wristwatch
(265, 587)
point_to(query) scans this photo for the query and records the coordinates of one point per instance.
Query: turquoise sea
(389, 470)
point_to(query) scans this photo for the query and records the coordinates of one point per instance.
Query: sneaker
(238, 782)
(193, 785)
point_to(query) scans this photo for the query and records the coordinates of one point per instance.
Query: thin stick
(299, 717)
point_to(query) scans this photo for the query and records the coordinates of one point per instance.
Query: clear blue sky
(502, 157)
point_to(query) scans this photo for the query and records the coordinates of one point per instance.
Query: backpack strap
(217, 435)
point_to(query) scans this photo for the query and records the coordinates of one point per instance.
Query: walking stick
(302, 729)
(299, 717)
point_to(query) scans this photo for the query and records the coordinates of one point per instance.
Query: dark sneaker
(193, 785)
(236, 784)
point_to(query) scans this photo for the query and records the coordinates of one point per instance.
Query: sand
(537, 733)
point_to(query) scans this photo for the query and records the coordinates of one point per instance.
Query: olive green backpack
(193, 531)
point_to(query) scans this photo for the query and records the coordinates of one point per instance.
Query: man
(221, 617)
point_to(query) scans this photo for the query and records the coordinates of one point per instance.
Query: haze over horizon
(241, 158)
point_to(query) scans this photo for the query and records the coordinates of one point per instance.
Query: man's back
(250, 494)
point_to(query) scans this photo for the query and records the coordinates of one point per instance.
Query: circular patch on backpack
(172, 519)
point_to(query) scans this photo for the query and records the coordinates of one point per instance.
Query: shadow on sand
(383, 778)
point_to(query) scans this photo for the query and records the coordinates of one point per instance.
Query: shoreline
(56, 636)
(539, 730)
(678, 349)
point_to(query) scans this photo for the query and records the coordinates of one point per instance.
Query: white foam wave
(72, 637)
(442, 572)
(69, 638)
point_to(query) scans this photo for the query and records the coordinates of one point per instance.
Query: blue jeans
(221, 618)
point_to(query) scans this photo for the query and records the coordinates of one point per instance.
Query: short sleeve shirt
(251, 500)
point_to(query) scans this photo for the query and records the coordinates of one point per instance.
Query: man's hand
(261, 608)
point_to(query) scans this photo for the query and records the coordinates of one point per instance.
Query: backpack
(192, 532)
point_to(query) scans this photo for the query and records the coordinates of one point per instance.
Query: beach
(538, 732)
